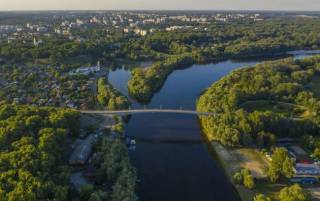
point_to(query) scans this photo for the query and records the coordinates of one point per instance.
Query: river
(172, 159)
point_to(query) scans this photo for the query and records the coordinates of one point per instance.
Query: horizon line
(203, 10)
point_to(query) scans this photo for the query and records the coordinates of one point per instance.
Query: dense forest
(31, 156)
(259, 104)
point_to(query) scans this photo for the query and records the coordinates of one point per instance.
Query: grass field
(287, 109)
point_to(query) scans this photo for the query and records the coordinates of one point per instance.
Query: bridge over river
(146, 111)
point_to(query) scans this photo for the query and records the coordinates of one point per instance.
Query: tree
(293, 193)
(256, 105)
(119, 127)
(273, 175)
(6, 111)
(244, 177)
(238, 178)
(85, 192)
(316, 153)
(248, 181)
(31, 160)
(95, 197)
(34, 123)
(261, 197)
(266, 139)
(287, 168)
(111, 98)
(281, 165)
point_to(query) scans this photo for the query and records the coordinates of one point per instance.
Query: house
(307, 169)
(141, 32)
(87, 70)
(304, 180)
(71, 104)
(82, 151)
(127, 30)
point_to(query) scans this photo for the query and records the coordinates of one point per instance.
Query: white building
(141, 32)
(87, 70)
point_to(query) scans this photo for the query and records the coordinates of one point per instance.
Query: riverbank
(145, 82)
(247, 118)
(233, 160)
(163, 165)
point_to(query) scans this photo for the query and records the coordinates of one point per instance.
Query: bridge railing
(145, 110)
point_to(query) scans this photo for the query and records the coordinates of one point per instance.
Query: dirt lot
(252, 160)
(236, 159)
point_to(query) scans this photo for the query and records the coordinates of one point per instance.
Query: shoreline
(216, 153)
(229, 170)
(230, 162)
(147, 97)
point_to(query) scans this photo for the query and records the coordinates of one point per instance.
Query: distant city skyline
(305, 5)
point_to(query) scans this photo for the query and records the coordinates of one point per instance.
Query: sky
(313, 5)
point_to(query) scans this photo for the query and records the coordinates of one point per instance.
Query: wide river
(172, 158)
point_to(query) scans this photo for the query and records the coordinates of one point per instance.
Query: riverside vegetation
(109, 97)
(257, 105)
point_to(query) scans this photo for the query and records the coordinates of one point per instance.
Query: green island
(256, 108)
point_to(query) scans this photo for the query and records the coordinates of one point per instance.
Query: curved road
(143, 111)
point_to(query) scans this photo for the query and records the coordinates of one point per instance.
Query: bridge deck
(142, 111)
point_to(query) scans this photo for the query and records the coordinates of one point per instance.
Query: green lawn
(287, 109)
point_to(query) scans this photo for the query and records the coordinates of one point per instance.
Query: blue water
(171, 157)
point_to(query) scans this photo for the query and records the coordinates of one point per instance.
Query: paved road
(143, 111)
